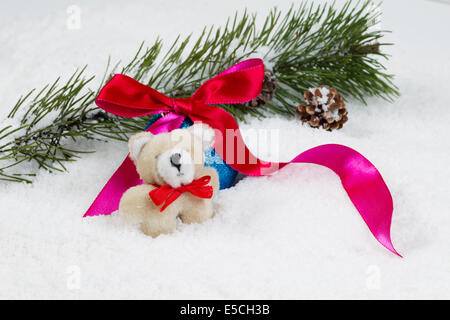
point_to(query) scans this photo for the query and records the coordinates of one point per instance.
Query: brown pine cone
(268, 90)
(324, 108)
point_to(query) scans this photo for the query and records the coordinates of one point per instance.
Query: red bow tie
(168, 194)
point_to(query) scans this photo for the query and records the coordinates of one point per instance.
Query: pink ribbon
(123, 96)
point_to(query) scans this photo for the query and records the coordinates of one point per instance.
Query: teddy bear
(177, 184)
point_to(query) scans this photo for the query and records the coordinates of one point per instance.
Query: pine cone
(324, 108)
(268, 90)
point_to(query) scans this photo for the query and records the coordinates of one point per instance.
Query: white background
(292, 235)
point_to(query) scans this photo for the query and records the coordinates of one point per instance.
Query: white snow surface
(292, 235)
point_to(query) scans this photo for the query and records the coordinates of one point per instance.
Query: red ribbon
(166, 194)
(123, 96)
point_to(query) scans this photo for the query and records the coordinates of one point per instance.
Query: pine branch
(305, 47)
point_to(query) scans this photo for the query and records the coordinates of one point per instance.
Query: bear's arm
(135, 202)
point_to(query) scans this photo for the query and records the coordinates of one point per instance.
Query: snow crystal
(324, 99)
(335, 115)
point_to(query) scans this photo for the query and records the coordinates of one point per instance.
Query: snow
(324, 98)
(291, 235)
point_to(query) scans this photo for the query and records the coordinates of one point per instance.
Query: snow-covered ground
(292, 235)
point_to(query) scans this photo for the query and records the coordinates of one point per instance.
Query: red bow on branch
(167, 194)
(125, 97)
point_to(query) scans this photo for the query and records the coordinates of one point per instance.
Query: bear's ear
(203, 132)
(137, 142)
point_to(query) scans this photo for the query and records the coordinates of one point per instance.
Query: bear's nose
(175, 160)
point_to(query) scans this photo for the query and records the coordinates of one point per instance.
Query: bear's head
(171, 158)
